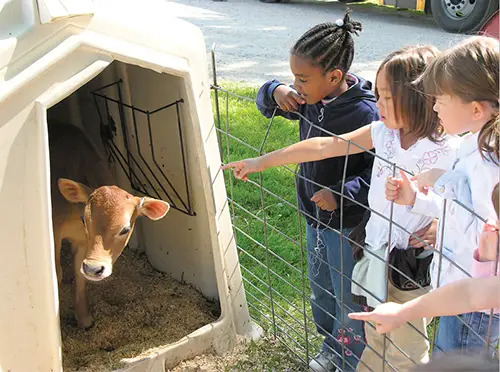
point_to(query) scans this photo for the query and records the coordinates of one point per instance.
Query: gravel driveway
(253, 38)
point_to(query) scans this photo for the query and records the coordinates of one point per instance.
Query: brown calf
(97, 221)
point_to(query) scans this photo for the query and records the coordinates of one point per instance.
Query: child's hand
(427, 179)
(325, 200)
(385, 316)
(427, 234)
(245, 167)
(488, 241)
(400, 190)
(287, 98)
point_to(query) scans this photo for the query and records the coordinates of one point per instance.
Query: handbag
(414, 263)
(358, 236)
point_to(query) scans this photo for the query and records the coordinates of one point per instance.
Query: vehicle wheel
(466, 16)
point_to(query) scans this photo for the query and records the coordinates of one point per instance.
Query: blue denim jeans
(326, 295)
(454, 335)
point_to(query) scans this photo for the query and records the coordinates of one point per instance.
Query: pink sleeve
(482, 269)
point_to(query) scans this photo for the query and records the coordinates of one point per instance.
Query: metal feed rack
(146, 176)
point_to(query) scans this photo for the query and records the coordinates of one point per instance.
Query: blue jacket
(351, 110)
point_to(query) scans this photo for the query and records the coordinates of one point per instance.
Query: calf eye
(125, 230)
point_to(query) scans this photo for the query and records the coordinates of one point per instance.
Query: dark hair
(470, 71)
(411, 106)
(329, 45)
(495, 196)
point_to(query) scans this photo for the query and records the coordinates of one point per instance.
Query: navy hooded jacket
(349, 111)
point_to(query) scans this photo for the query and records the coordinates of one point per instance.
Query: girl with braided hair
(407, 135)
(335, 101)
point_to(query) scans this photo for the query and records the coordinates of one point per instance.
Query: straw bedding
(136, 309)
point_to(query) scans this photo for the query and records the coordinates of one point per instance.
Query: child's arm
(355, 187)
(312, 149)
(485, 256)
(266, 102)
(463, 296)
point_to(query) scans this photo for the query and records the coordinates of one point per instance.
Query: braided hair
(329, 45)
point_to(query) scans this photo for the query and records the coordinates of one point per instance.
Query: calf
(97, 219)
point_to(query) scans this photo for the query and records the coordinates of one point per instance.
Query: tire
(464, 16)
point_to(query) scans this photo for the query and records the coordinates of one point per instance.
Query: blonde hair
(469, 70)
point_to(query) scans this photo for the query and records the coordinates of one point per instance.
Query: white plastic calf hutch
(136, 82)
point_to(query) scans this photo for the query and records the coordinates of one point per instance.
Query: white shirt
(421, 156)
(462, 228)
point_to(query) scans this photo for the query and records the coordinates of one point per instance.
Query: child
(464, 81)
(335, 100)
(463, 296)
(406, 135)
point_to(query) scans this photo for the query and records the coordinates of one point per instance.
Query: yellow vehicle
(465, 16)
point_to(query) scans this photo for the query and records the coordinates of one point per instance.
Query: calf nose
(95, 271)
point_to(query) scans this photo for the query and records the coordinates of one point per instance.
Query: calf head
(108, 218)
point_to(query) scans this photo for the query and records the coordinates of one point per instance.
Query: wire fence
(270, 234)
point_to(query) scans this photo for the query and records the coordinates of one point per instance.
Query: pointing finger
(229, 165)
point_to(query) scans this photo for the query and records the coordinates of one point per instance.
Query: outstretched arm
(312, 149)
(464, 296)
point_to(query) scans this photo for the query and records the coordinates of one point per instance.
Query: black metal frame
(145, 178)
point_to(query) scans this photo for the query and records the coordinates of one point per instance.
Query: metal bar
(121, 112)
(186, 182)
(490, 321)
(240, 141)
(140, 169)
(166, 106)
(139, 152)
(303, 267)
(293, 351)
(153, 157)
(342, 252)
(293, 241)
(270, 270)
(216, 98)
(440, 257)
(228, 93)
(120, 103)
(108, 85)
(279, 316)
(263, 247)
(387, 265)
(265, 222)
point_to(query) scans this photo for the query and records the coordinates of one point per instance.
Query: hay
(212, 362)
(135, 310)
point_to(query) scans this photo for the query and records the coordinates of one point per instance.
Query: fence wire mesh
(270, 233)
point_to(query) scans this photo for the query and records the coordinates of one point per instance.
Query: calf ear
(154, 209)
(73, 192)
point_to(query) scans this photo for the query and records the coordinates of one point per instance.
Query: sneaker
(323, 362)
